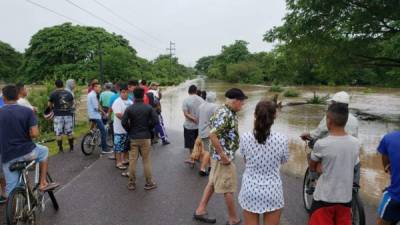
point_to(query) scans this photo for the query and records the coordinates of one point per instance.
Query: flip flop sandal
(227, 223)
(50, 187)
(121, 167)
(125, 174)
(204, 218)
(191, 164)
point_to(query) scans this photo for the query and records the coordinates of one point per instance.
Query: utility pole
(171, 50)
(101, 72)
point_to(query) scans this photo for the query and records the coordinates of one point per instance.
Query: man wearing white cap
(351, 126)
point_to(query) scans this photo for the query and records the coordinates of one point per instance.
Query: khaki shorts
(223, 177)
(206, 144)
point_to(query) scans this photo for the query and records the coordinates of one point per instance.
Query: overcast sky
(198, 27)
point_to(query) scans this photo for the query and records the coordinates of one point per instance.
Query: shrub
(276, 88)
(317, 100)
(291, 93)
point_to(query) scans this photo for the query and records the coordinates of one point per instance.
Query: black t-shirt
(15, 124)
(63, 102)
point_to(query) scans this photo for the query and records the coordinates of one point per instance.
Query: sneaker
(203, 173)
(150, 186)
(3, 199)
(111, 157)
(107, 152)
(166, 143)
(131, 186)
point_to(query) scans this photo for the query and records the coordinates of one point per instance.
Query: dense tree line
(68, 51)
(354, 42)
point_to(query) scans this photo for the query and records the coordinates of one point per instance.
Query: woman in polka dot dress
(264, 152)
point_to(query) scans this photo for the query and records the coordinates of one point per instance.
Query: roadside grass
(276, 88)
(291, 93)
(80, 129)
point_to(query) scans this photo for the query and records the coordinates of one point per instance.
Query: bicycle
(309, 182)
(25, 202)
(92, 139)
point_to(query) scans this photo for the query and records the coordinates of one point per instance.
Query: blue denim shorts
(38, 154)
(120, 142)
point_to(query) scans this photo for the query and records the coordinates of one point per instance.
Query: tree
(339, 40)
(10, 61)
(71, 51)
(204, 63)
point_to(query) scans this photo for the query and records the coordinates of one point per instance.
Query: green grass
(276, 88)
(79, 130)
(317, 100)
(291, 93)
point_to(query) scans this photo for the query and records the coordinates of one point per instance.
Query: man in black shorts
(190, 108)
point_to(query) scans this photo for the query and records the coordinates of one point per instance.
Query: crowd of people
(211, 135)
(133, 111)
(334, 160)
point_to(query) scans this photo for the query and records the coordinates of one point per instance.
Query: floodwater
(293, 120)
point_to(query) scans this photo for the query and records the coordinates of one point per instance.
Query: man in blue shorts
(18, 128)
(389, 208)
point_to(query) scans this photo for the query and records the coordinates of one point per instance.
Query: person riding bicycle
(95, 115)
(334, 157)
(18, 127)
(351, 128)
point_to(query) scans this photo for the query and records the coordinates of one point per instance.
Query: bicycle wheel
(308, 191)
(53, 200)
(17, 209)
(51, 194)
(88, 144)
(357, 210)
(110, 141)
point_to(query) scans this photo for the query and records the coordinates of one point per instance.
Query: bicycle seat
(20, 165)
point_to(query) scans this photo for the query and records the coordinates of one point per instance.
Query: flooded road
(293, 120)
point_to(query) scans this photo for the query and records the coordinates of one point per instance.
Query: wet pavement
(98, 194)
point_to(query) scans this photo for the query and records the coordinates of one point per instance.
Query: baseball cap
(235, 93)
(341, 97)
(211, 97)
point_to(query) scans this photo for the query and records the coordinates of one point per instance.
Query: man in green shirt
(105, 97)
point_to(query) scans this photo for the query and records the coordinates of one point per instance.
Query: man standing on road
(207, 109)
(105, 97)
(190, 108)
(62, 103)
(335, 157)
(224, 137)
(139, 119)
(18, 128)
(94, 114)
(389, 208)
(120, 135)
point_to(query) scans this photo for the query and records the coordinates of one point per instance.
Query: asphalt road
(94, 192)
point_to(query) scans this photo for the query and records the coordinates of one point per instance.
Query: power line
(115, 26)
(127, 21)
(52, 11)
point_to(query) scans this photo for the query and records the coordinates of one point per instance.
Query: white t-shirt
(119, 106)
(155, 93)
(24, 102)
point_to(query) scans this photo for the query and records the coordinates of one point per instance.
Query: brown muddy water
(293, 120)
